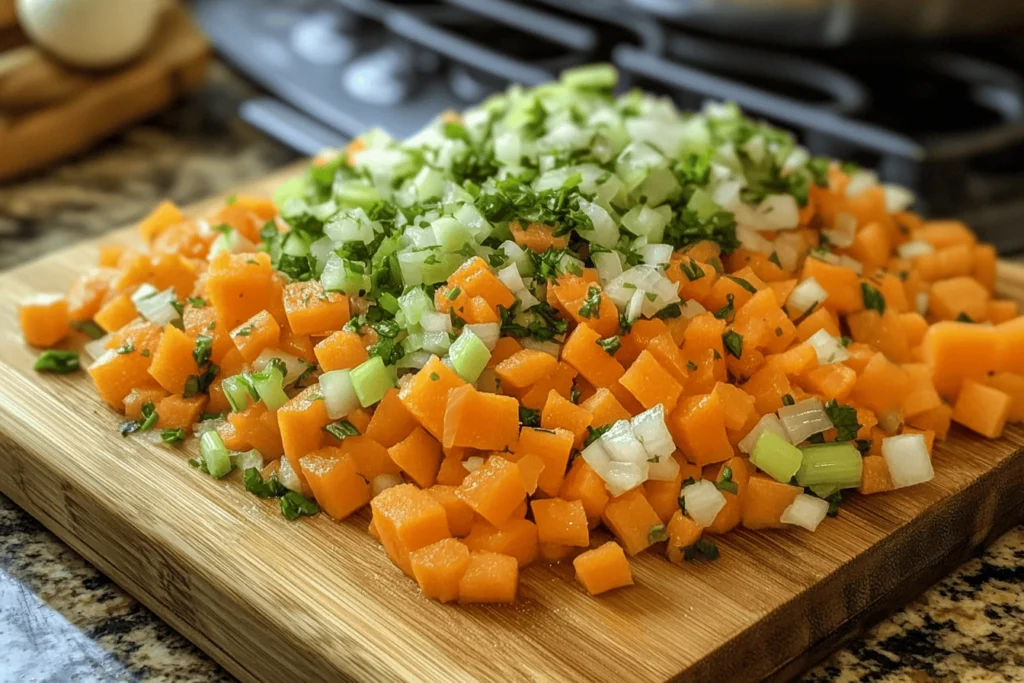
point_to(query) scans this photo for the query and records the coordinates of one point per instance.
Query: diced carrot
(582, 483)
(137, 398)
(882, 386)
(1013, 386)
(257, 427)
(698, 428)
(950, 299)
(582, 352)
(372, 459)
(525, 367)
(651, 383)
(883, 332)
(460, 516)
(942, 234)
(982, 408)
(914, 327)
(452, 472)
(664, 495)
(664, 349)
(553, 553)
(603, 568)
(947, 262)
(419, 456)
(582, 301)
(936, 420)
(474, 419)
(832, 381)
(110, 255)
(505, 347)
(177, 412)
(407, 519)
(489, 578)
(984, 268)
(302, 421)
(560, 381)
(819, 319)
(874, 475)
(561, 521)
(765, 500)
(537, 237)
(553, 448)
(257, 333)
(738, 406)
(841, 283)
(342, 350)
(516, 538)
(203, 321)
(439, 567)
(115, 313)
(1001, 311)
(631, 518)
(173, 363)
(184, 239)
(681, 268)
(426, 395)
(637, 339)
(560, 413)
(768, 386)
(959, 351)
(391, 421)
(162, 217)
(682, 532)
(733, 288)
(88, 292)
(530, 468)
(475, 279)
(337, 486)
(311, 310)
(604, 408)
(493, 490)
(797, 360)
(239, 286)
(922, 396)
(44, 319)
(117, 374)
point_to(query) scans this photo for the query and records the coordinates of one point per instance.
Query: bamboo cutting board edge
(968, 518)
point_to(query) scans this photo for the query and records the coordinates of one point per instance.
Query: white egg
(90, 33)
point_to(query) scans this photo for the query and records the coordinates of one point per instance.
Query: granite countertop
(61, 620)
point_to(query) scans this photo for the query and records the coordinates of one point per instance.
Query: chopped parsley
(701, 548)
(844, 419)
(591, 307)
(743, 283)
(172, 436)
(295, 505)
(733, 343)
(57, 362)
(595, 434)
(726, 311)
(725, 482)
(255, 484)
(873, 299)
(342, 429)
(149, 418)
(88, 328)
(610, 344)
(529, 417)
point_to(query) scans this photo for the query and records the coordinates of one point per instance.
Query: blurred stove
(946, 122)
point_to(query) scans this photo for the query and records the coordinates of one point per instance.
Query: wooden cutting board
(316, 600)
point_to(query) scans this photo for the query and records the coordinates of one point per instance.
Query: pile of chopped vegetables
(560, 311)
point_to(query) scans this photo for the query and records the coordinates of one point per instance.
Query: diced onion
(897, 198)
(804, 419)
(914, 248)
(604, 231)
(657, 254)
(473, 463)
(921, 303)
(597, 457)
(385, 481)
(487, 333)
(753, 240)
(806, 511)
(907, 458)
(622, 445)
(844, 229)
(635, 305)
(294, 366)
(288, 477)
(510, 277)
(703, 501)
(488, 382)
(526, 299)
(890, 421)
(248, 459)
(620, 477)
(414, 360)
(608, 264)
(828, 348)
(650, 430)
(789, 248)
(861, 182)
(851, 263)
(436, 322)
(768, 423)
(155, 306)
(96, 347)
(340, 397)
(806, 294)
(691, 309)
(665, 469)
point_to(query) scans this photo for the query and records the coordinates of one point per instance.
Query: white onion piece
(779, 212)
(622, 445)
(650, 430)
(385, 481)
(608, 264)
(605, 232)
(473, 463)
(703, 501)
(907, 459)
(657, 254)
(597, 457)
(294, 366)
(96, 347)
(691, 309)
(897, 198)
(200, 428)
(664, 470)
(510, 277)
(789, 247)
(635, 305)
(288, 477)
(807, 293)
(914, 248)
(247, 460)
(753, 240)
(861, 182)
(768, 423)
(620, 477)
(488, 333)
(828, 348)
(844, 229)
(414, 360)
(921, 303)
(340, 397)
(431, 321)
(155, 306)
(526, 299)
(549, 347)
(806, 511)
(804, 419)
(851, 263)
(890, 421)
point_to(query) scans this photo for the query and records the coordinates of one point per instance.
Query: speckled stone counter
(61, 620)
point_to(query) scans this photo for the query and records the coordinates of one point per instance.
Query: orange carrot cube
(311, 310)
(44, 319)
(257, 333)
(426, 395)
(651, 383)
(493, 490)
(342, 350)
(475, 419)
(336, 484)
(553, 448)
(419, 456)
(982, 409)
(460, 516)
(631, 518)
(561, 521)
(560, 413)
(407, 519)
(603, 568)
(490, 577)
(439, 567)
(516, 538)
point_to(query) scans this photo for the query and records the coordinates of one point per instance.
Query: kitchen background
(931, 94)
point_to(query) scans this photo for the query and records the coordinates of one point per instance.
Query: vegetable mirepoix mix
(559, 312)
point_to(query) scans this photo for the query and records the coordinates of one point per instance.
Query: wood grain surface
(316, 600)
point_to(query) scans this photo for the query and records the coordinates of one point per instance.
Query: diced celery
(350, 226)
(355, 193)
(414, 304)
(659, 186)
(238, 390)
(343, 275)
(469, 356)
(451, 234)
(339, 395)
(839, 464)
(215, 454)
(436, 342)
(429, 184)
(703, 204)
(823, 490)
(371, 380)
(776, 456)
(591, 77)
(269, 384)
